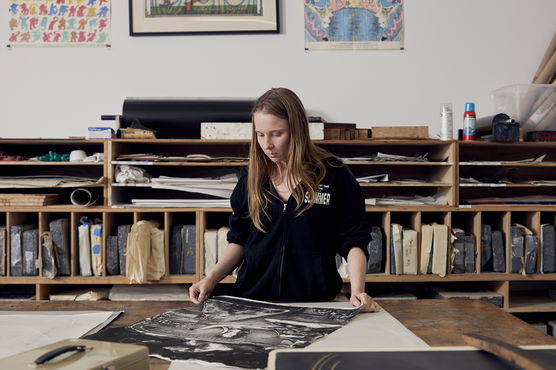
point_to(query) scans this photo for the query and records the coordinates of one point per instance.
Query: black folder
(176, 250)
(498, 252)
(375, 251)
(486, 247)
(547, 248)
(469, 246)
(2, 250)
(112, 260)
(123, 231)
(458, 253)
(189, 254)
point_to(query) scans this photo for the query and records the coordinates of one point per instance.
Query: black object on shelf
(180, 117)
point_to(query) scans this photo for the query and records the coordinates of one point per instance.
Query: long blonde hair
(304, 162)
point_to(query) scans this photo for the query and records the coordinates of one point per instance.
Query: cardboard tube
(548, 122)
(539, 114)
(549, 51)
(548, 70)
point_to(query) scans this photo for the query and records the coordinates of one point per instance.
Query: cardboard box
(400, 132)
(100, 133)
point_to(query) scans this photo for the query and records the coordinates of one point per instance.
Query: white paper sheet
(25, 330)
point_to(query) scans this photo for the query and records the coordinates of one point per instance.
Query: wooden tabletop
(437, 322)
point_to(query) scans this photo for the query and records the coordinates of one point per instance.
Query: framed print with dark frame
(181, 17)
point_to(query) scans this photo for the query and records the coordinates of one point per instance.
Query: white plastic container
(532, 105)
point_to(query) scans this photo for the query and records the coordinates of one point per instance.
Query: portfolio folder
(80, 354)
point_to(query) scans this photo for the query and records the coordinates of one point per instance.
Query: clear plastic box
(532, 105)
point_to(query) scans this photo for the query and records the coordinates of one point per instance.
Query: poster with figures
(354, 24)
(76, 23)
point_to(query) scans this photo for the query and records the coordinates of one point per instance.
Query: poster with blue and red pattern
(59, 23)
(354, 24)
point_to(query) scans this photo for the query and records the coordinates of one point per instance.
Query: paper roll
(82, 197)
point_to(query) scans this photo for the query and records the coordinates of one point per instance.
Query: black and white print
(229, 330)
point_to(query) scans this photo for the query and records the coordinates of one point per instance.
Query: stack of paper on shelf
(154, 292)
(29, 200)
(492, 297)
(221, 186)
(86, 294)
(244, 130)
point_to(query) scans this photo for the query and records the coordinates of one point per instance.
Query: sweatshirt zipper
(282, 256)
(285, 204)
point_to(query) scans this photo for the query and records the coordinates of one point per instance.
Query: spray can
(469, 120)
(446, 122)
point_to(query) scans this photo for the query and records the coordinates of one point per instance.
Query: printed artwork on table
(229, 330)
(76, 23)
(353, 24)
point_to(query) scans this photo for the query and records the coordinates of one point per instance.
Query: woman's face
(273, 136)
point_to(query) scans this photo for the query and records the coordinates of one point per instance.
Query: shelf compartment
(531, 296)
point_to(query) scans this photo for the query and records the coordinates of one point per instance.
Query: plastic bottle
(446, 122)
(469, 120)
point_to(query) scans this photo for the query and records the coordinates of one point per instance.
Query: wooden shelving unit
(447, 163)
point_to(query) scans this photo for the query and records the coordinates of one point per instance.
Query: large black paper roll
(181, 118)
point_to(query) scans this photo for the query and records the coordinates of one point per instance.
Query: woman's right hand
(201, 290)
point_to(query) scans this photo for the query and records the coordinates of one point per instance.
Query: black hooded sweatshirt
(294, 260)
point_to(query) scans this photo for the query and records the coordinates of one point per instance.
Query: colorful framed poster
(179, 17)
(354, 24)
(58, 23)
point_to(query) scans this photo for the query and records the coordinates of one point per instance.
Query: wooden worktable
(437, 322)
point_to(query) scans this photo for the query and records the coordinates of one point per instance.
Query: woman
(294, 209)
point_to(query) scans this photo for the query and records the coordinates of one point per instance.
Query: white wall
(456, 51)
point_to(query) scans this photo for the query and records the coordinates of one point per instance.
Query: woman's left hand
(366, 303)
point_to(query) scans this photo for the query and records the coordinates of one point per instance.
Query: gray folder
(458, 252)
(375, 251)
(486, 247)
(547, 248)
(112, 260)
(189, 249)
(498, 252)
(60, 229)
(469, 247)
(30, 246)
(531, 246)
(2, 250)
(123, 232)
(16, 248)
(516, 249)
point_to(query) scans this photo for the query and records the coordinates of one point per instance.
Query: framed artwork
(182, 17)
